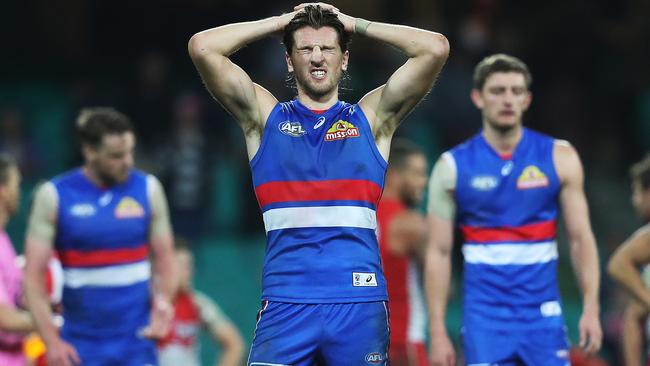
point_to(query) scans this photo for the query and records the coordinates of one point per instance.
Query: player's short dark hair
(400, 151)
(6, 163)
(316, 17)
(95, 123)
(640, 172)
(500, 63)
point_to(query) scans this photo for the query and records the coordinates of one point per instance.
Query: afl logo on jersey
(484, 182)
(82, 210)
(293, 129)
(374, 358)
(128, 208)
(532, 177)
(341, 130)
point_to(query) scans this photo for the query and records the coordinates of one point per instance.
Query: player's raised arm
(584, 254)
(441, 209)
(39, 244)
(210, 50)
(427, 52)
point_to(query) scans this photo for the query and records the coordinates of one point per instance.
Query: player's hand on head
(348, 21)
(162, 313)
(442, 352)
(591, 333)
(62, 353)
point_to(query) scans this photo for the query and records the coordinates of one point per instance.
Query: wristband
(360, 26)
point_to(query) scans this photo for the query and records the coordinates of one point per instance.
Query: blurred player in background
(503, 188)
(14, 322)
(402, 239)
(193, 311)
(318, 168)
(624, 263)
(102, 220)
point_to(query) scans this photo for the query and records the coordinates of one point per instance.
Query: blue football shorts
(538, 347)
(349, 334)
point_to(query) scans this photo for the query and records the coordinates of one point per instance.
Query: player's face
(11, 191)
(113, 159)
(641, 200)
(184, 268)
(317, 61)
(414, 180)
(503, 100)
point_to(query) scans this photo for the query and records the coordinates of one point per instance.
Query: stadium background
(589, 60)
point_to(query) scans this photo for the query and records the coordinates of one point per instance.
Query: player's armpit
(41, 223)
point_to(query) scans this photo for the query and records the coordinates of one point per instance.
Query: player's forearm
(231, 356)
(584, 257)
(624, 270)
(632, 340)
(227, 39)
(437, 279)
(39, 307)
(163, 266)
(414, 42)
(15, 320)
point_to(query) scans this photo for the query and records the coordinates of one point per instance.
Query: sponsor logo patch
(128, 208)
(374, 358)
(293, 129)
(532, 177)
(341, 130)
(550, 308)
(364, 279)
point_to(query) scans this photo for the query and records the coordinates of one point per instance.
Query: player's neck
(93, 177)
(503, 141)
(313, 102)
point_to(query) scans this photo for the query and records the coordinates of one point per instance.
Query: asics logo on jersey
(320, 122)
(341, 130)
(505, 171)
(374, 358)
(293, 129)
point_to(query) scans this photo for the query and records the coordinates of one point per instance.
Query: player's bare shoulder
(567, 161)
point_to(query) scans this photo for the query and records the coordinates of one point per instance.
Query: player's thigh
(286, 334)
(355, 334)
(489, 347)
(546, 347)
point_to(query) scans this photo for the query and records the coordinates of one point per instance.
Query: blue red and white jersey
(507, 208)
(318, 179)
(101, 240)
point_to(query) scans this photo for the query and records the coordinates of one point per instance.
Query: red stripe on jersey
(324, 190)
(534, 232)
(79, 258)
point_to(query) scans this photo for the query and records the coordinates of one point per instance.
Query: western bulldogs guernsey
(507, 211)
(318, 179)
(101, 240)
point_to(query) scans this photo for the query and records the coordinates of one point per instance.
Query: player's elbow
(196, 46)
(438, 47)
(616, 266)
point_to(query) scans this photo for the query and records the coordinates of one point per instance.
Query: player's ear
(528, 100)
(289, 63)
(346, 58)
(88, 152)
(477, 98)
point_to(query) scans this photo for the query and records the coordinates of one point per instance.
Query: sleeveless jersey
(407, 310)
(507, 212)
(318, 179)
(101, 240)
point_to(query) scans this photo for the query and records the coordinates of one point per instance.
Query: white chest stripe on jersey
(328, 216)
(509, 254)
